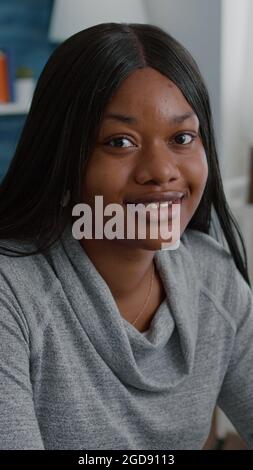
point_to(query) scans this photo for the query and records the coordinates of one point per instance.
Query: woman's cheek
(204, 172)
(197, 171)
(99, 183)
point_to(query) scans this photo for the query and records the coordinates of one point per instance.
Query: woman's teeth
(156, 205)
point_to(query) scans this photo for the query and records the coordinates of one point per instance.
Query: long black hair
(62, 125)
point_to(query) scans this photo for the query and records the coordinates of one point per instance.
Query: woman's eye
(184, 138)
(117, 142)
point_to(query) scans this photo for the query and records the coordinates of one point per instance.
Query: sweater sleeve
(236, 394)
(19, 429)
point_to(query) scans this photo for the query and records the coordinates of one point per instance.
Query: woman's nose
(157, 164)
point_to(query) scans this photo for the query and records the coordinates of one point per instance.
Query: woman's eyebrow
(132, 120)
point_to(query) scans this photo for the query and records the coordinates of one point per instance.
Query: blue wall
(24, 26)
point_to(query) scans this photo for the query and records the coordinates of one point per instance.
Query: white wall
(70, 16)
(236, 86)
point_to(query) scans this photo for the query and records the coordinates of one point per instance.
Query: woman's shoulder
(210, 259)
(217, 272)
(206, 250)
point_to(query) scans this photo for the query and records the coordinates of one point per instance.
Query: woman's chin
(160, 244)
(151, 244)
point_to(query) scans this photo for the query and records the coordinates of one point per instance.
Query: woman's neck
(127, 273)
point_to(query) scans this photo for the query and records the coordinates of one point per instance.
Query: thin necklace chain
(148, 297)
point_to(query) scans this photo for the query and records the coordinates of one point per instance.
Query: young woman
(117, 343)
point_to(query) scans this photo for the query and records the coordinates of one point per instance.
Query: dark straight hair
(62, 125)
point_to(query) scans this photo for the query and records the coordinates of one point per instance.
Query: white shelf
(13, 108)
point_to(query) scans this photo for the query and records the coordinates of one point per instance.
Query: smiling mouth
(156, 212)
(157, 204)
(158, 198)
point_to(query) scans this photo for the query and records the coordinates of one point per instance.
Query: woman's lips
(158, 197)
(164, 203)
(161, 212)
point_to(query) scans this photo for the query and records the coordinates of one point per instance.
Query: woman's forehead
(148, 91)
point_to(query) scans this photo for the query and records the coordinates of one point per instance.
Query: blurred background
(219, 35)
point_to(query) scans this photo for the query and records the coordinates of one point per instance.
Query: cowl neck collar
(136, 359)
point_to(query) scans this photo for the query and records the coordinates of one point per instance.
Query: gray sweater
(75, 375)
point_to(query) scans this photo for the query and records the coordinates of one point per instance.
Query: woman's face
(148, 143)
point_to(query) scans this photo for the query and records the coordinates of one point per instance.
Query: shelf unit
(9, 109)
